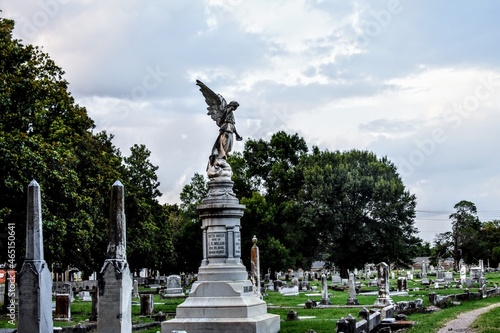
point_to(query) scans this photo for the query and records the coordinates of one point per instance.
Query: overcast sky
(416, 81)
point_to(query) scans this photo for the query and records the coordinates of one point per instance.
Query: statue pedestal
(222, 299)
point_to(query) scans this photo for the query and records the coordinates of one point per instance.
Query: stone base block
(35, 298)
(383, 302)
(224, 306)
(352, 301)
(266, 323)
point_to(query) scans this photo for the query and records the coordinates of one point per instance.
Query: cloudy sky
(416, 81)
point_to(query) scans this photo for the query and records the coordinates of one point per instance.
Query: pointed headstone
(325, 300)
(117, 246)
(352, 300)
(35, 279)
(255, 262)
(425, 280)
(115, 281)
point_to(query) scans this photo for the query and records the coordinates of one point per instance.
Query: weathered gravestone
(174, 287)
(325, 300)
(402, 284)
(63, 307)
(255, 269)
(135, 289)
(463, 273)
(289, 290)
(147, 304)
(85, 296)
(384, 298)
(115, 281)
(95, 303)
(475, 274)
(352, 300)
(439, 272)
(336, 280)
(35, 279)
(425, 280)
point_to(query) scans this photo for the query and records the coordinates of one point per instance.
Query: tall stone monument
(35, 279)
(384, 298)
(425, 279)
(222, 299)
(325, 300)
(463, 272)
(352, 300)
(255, 262)
(115, 281)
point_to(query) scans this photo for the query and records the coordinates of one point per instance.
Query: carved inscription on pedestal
(237, 244)
(216, 244)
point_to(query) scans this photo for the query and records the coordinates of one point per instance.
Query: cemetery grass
(432, 322)
(321, 320)
(488, 322)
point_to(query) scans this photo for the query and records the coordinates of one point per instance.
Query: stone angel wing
(216, 103)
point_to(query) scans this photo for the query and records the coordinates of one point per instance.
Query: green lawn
(324, 320)
(488, 322)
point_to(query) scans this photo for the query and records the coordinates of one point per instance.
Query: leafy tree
(350, 208)
(144, 213)
(359, 209)
(188, 236)
(465, 228)
(167, 256)
(443, 247)
(273, 180)
(495, 256)
(272, 165)
(490, 236)
(44, 135)
(424, 250)
(192, 196)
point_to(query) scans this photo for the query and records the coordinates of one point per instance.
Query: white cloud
(342, 74)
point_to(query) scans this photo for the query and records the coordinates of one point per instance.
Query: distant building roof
(419, 260)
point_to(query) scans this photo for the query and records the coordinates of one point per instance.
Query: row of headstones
(382, 283)
(63, 300)
(476, 275)
(383, 286)
(301, 275)
(35, 279)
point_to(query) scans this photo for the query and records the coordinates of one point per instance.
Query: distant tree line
(470, 240)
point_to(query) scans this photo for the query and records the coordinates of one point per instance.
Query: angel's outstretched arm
(238, 136)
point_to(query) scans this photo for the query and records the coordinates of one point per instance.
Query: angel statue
(223, 114)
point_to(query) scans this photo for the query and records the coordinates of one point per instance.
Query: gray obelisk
(35, 280)
(115, 282)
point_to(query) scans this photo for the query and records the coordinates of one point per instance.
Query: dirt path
(464, 320)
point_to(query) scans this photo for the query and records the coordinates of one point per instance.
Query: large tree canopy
(349, 208)
(359, 209)
(464, 240)
(45, 135)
